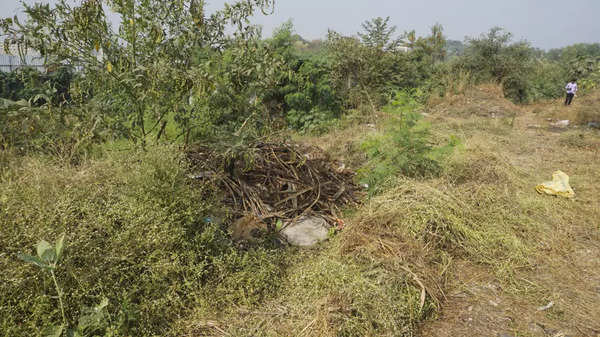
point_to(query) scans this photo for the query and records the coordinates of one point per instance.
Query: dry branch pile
(278, 181)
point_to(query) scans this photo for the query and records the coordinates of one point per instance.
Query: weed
(403, 147)
(93, 320)
(136, 238)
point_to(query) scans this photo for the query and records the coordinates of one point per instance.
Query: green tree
(142, 71)
(454, 48)
(494, 57)
(379, 33)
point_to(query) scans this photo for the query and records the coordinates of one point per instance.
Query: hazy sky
(545, 23)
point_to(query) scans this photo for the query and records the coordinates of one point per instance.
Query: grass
(134, 235)
(526, 239)
(409, 262)
(583, 110)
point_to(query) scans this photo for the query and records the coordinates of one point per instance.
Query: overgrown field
(136, 234)
(147, 174)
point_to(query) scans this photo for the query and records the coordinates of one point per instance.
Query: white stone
(306, 231)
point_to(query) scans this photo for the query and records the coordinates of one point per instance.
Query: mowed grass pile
(134, 234)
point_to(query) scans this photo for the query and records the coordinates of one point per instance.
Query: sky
(545, 23)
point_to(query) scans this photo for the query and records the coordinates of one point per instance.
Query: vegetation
(95, 148)
(27, 83)
(403, 147)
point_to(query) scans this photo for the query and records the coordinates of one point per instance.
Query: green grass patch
(134, 235)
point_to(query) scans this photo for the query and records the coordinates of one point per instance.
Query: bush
(363, 75)
(135, 235)
(548, 80)
(304, 95)
(315, 120)
(403, 147)
(26, 83)
(67, 133)
(310, 99)
(492, 57)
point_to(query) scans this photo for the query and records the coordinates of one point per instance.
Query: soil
(477, 305)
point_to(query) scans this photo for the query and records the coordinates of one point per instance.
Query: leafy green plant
(404, 146)
(47, 258)
(93, 320)
(379, 33)
(304, 94)
(26, 83)
(494, 57)
(64, 132)
(364, 70)
(146, 71)
(406, 100)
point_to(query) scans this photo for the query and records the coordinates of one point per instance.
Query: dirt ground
(488, 254)
(564, 297)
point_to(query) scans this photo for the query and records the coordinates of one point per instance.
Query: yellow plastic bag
(558, 186)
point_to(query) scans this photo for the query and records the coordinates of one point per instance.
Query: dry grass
(484, 101)
(584, 109)
(343, 144)
(473, 252)
(559, 237)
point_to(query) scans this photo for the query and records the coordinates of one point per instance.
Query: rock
(306, 231)
(561, 124)
(594, 125)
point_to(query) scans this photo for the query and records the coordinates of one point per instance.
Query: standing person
(571, 91)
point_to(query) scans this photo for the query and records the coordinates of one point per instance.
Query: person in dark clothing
(571, 91)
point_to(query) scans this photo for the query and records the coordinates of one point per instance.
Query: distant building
(12, 60)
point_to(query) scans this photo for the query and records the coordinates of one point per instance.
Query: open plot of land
(473, 251)
(555, 290)
(494, 257)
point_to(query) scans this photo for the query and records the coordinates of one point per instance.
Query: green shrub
(403, 147)
(548, 80)
(309, 100)
(26, 83)
(67, 133)
(314, 120)
(493, 57)
(517, 88)
(136, 236)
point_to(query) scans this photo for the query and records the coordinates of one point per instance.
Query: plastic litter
(546, 307)
(306, 231)
(561, 124)
(559, 186)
